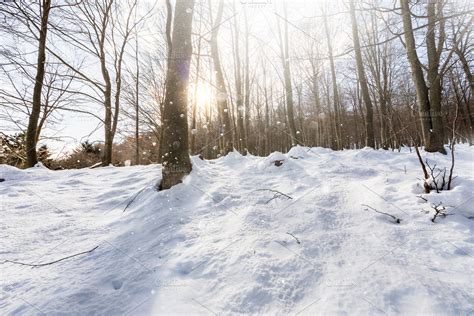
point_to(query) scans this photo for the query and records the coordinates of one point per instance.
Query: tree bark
(434, 77)
(432, 142)
(176, 162)
(32, 130)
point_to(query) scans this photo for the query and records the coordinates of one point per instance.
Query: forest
(321, 150)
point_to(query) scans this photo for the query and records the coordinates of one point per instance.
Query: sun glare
(203, 95)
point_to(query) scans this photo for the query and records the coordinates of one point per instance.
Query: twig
(49, 263)
(421, 162)
(297, 240)
(433, 177)
(425, 172)
(453, 141)
(276, 194)
(444, 179)
(421, 197)
(396, 219)
(439, 211)
(133, 198)
(452, 165)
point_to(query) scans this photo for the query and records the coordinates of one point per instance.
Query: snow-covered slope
(224, 243)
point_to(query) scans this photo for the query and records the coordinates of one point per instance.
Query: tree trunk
(137, 106)
(434, 77)
(247, 86)
(287, 81)
(107, 91)
(222, 102)
(432, 143)
(466, 68)
(337, 121)
(32, 131)
(176, 162)
(241, 135)
(195, 93)
(369, 121)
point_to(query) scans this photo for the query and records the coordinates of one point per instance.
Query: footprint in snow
(117, 284)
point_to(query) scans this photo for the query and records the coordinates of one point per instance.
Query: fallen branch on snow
(421, 197)
(296, 238)
(134, 197)
(276, 194)
(52, 262)
(396, 219)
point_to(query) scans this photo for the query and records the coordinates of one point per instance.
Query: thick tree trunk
(431, 131)
(176, 162)
(32, 131)
(422, 98)
(369, 121)
(434, 78)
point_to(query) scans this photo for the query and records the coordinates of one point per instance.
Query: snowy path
(218, 245)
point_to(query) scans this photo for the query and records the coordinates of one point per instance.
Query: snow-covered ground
(220, 243)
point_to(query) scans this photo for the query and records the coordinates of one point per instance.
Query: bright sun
(203, 95)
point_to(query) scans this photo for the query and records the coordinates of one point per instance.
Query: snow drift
(241, 235)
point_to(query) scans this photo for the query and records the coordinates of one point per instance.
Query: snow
(219, 242)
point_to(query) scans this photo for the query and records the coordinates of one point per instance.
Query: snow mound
(298, 152)
(10, 173)
(278, 162)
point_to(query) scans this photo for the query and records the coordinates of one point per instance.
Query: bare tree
(32, 25)
(222, 97)
(285, 59)
(241, 134)
(369, 120)
(104, 29)
(336, 103)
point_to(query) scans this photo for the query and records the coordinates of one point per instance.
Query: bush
(85, 155)
(13, 151)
